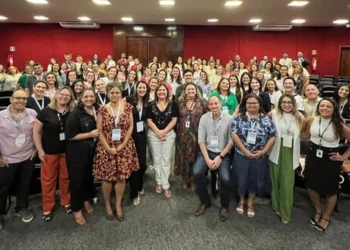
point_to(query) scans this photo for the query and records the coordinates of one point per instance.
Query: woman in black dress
(82, 134)
(139, 101)
(323, 161)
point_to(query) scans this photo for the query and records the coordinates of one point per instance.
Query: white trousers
(162, 153)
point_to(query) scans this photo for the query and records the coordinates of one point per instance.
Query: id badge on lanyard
(116, 132)
(140, 124)
(62, 135)
(252, 134)
(20, 139)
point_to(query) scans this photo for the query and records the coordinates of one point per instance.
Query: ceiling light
(102, 2)
(255, 20)
(213, 20)
(170, 19)
(41, 18)
(38, 1)
(298, 3)
(3, 18)
(233, 3)
(126, 19)
(341, 21)
(298, 21)
(167, 3)
(84, 18)
(171, 28)
(138, 28)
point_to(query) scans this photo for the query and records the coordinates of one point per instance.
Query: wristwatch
(222, 157)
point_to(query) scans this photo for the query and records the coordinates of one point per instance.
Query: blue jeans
(246, 172)
(200, 169)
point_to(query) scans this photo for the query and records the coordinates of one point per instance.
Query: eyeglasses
(252, 103)
(286, 102)
(188, 75)
(20, 98)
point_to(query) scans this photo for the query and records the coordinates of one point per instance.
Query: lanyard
(18, 123)
(60, 120)
(130, 88)
(224, 98)
(116, 120)
(319, 130)
(94, 110)
(288, 124)
(41, 76)
(216, 128)
(103, 102)
(37, 103)
(189, 110)
(252, 123)
(140, 112)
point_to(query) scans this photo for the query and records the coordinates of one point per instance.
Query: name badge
(319, 153)
(287, 141)
(139, 126)
(251, 139)
(62, 136)
(116, 134)
(187, 124)
(225, 109)
(20, 140)
(214, 141)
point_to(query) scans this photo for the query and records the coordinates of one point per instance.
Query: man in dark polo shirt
(38, 75)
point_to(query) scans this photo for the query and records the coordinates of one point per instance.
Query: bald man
(17, 151)
(215, 142)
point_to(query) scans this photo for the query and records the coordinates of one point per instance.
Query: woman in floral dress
(191, 108)
(116, 155)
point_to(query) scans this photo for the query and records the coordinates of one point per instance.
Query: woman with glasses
(254, 134)
(285, 154)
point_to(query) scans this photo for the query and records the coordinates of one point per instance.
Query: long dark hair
(133, 99)
(250, 90)
(271, 69)
(75, 94)
(56, 82)
(270, 80)
(242, 106)
(179, 78)
(80, 103)
(59, 68)
(337, 121)
(238, 88)
(336, 96)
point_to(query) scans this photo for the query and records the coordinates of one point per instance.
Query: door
(160, 47)
(344, 64)
(138, 48)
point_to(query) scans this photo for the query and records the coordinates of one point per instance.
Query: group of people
(232, 128)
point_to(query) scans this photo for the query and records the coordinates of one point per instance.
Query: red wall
(41, 42)
(44, 41)
(225, 42)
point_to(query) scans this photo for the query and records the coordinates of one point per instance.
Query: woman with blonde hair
(11, 79)
(50, 141)
(191, 108)
(285, 154)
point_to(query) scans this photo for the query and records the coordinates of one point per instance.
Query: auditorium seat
(345, 80)
(6, 93)
(4, 100)
(330, 76)
(328, 91)
(315, 76)
(3, 107)
(324, 83)
(327, 79)
(344, 77)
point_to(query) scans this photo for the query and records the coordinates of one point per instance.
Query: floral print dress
(187, 147)
(115, 167)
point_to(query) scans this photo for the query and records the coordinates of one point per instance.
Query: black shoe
(201, 209)
(1, 222)
(26, 215)
(223, 214)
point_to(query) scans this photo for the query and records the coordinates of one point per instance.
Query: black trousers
(20, 174)
(79, 156)
(136, 178)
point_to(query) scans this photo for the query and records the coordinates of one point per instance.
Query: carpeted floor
(160, 223)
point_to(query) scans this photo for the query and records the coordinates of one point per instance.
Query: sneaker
(1, 222)
(26, 215)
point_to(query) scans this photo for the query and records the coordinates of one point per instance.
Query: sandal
(137, 201)
(159, 189)
(88, 208)
(320, 228)
(240, 208)
(67, 209)
(110, 216)
(167, 193)
(142, 192)
(79, 219)
(313, 221)
(47, 217)
(250, 212)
